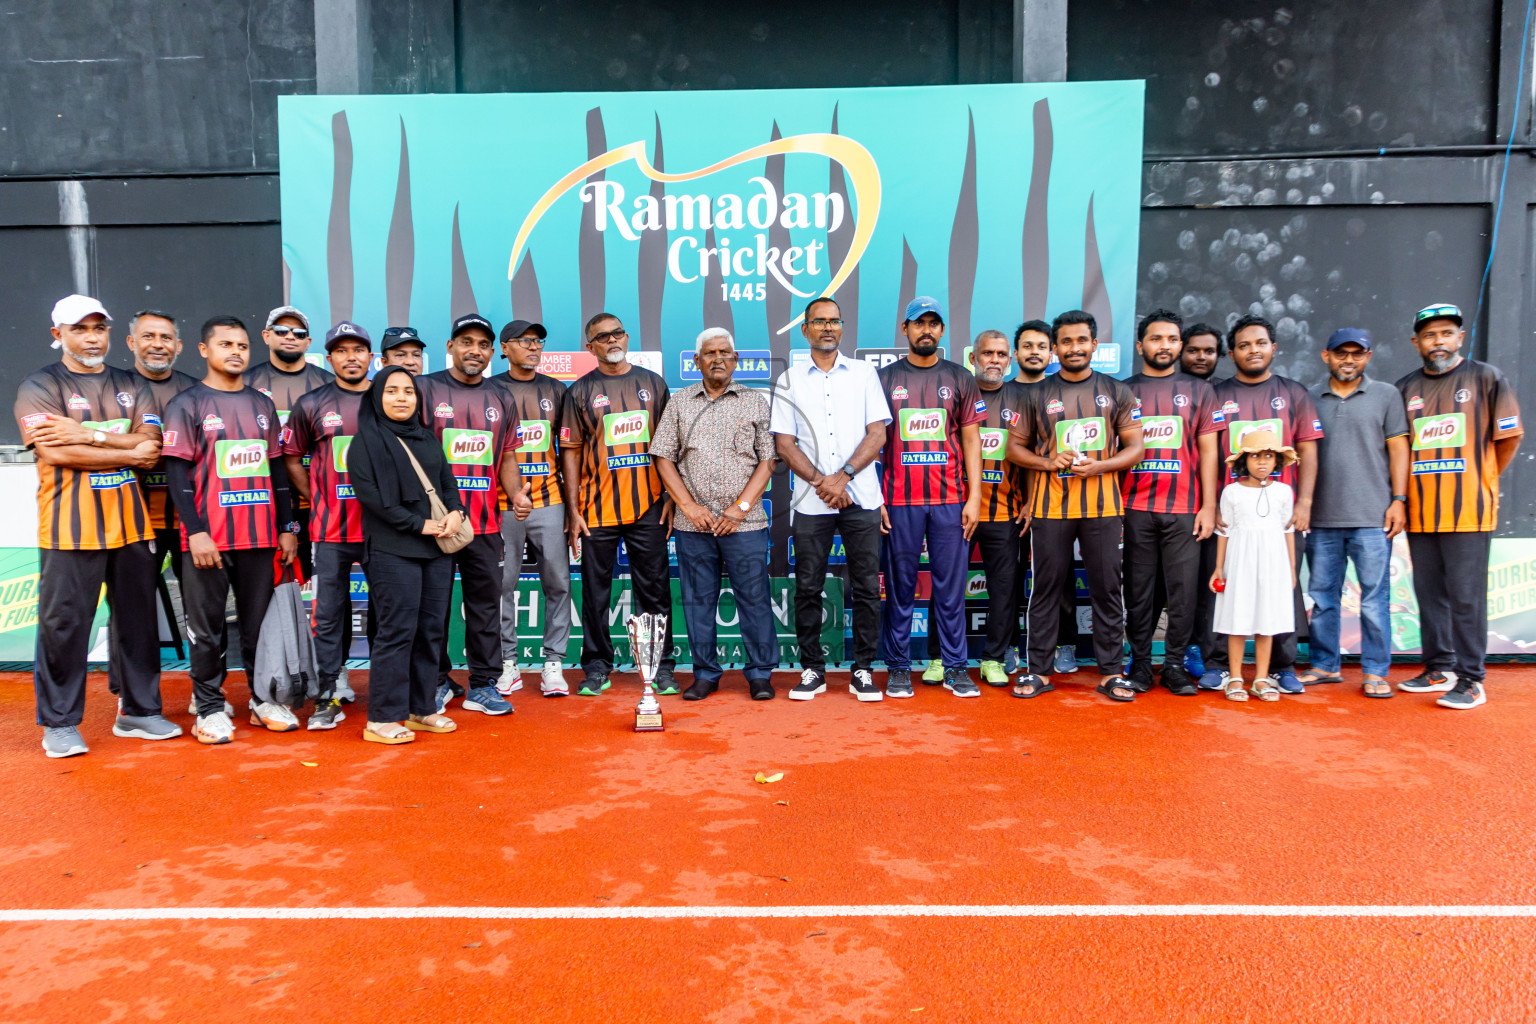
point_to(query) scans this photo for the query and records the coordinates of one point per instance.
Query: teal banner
(678, 211)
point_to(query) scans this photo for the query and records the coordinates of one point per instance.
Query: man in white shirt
(828, 420)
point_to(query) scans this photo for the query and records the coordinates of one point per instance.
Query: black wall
(1334, 163)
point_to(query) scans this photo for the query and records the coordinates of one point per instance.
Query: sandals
(392, 733)
(1032, 683)
(1314, 677)
(1234, 689)
(1369, 681)
(429, 723)
(1117, 688)
(1266, 688)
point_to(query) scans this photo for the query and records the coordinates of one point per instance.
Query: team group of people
(1180, 493)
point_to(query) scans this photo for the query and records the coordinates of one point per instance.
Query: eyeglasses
(822, 325)
(283, 332)
(607, 336)
(530, 342)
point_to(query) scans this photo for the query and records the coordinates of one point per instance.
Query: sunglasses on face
(283, 332)
(607, 336)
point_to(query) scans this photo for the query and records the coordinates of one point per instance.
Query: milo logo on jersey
(1240, 429)
(1089, 435)
(621, 428)
(106, 426)
(921, 424)
(237, 459)
(467, 447)
(339, 445)
(1162, 431)
(533, 436)
(1448, 430)
(994, 443)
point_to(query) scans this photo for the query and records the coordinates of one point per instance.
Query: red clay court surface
(1092, 810)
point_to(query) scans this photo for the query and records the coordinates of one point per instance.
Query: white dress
(1257, 600)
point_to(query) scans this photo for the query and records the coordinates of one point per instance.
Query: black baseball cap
(518, 328)
(1439, 311)
(347, 331)
(394, 336)
(469, 320)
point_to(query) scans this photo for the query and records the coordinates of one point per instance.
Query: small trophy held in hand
(647, 636)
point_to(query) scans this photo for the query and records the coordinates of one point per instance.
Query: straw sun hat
(1263, 440)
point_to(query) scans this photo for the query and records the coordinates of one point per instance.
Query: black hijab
(380, 437)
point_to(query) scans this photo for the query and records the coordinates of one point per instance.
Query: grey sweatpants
(546, 528)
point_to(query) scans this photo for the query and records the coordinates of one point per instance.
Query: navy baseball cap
(924, 304)
(1440, 311)
(518, 328)
(1346, 335)
(394, 336)
(469, 320)
(347, 331)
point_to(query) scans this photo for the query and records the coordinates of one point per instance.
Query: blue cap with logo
(1348, 336)
(924, 304)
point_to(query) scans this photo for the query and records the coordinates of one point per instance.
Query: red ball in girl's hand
(1219, 585)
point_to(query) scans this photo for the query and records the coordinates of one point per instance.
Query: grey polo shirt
(1353, 482)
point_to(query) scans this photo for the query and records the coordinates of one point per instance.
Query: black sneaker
(1140, 676)
(593, 685)
(1464, 697)
(862, 685)
(958, 681)
(899, 684)
(327, 714)
(664, 684)
(1178, 681)
(811, 683)
(1429, 682)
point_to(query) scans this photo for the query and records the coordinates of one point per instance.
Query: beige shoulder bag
(465, 532)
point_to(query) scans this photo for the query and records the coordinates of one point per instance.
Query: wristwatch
(849, 471)
(293, 528)
(745, 506)
(1400, 497)
(98, 436)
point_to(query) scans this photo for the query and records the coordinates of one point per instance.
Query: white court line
(684, 913)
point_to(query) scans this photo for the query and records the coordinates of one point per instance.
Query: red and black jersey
(230, 438)
(1454, 418)
(1276, 403)
(321, 425)
(1175, 412)
(1087, 417)
(79, 509)
(538, 403)
(611, 419)
(1004, 486)
(162, 514)
(285, 389)
(477, 424)
(923, 462)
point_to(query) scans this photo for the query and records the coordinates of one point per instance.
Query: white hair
(709, 334)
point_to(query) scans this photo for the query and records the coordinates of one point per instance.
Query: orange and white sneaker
(214, 728)
(275, 717)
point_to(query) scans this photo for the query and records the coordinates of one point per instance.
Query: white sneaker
(275, 717)
(552, 680)
(511, 679)
(229, 709)
(215, 728)
(343, 691)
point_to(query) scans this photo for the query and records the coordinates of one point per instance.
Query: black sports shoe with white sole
(811, 683)
(1464, 697)
(1429, 682)
(862, 685)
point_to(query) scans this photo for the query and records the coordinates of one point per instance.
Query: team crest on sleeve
(151, 420)
(286, 435)
(125, 400)
(36, 419)
(168, 439)
(981, 407)
(1317, 424)
(1509, 422)
(1218, 417)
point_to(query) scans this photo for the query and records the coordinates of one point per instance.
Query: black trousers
(650, 579)
(333, 609)
(1051, 549)
(479, 566)
(1160, 541)
(1450, 581)
(410, 598)
(1066, 623)
(204, 593)
(169, 540)
(1000, 544)
(860, 530)
(1205, 604)
(165, 540)
(67, 588)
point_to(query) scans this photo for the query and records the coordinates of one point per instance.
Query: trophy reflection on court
(647, 637)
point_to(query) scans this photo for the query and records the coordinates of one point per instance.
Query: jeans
(744, 558)
(1328, 549)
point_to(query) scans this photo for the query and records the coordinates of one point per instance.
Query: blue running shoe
(444, 695)
(1288, 681)
(1213, 679)
(1194, 663)
(1066, 659)
(487, 700)
(1011, 661)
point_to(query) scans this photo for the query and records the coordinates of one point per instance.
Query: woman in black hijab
(409, 577)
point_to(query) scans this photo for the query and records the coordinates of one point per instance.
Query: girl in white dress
(1255, 561)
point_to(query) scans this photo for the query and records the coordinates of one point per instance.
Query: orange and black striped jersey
(1453, 420)
(1004, 486)
(538, 404)
(162, 514)
(88, 510)
(1087, 417)
(611, 419)
(285, 389)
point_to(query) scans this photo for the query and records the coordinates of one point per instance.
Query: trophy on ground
(647, 637)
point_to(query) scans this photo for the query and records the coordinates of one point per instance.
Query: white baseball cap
(71, 309)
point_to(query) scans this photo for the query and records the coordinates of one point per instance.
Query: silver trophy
(647, 638)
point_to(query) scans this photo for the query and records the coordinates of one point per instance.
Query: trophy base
(648, 721)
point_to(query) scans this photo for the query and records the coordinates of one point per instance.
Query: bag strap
(421, 474)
